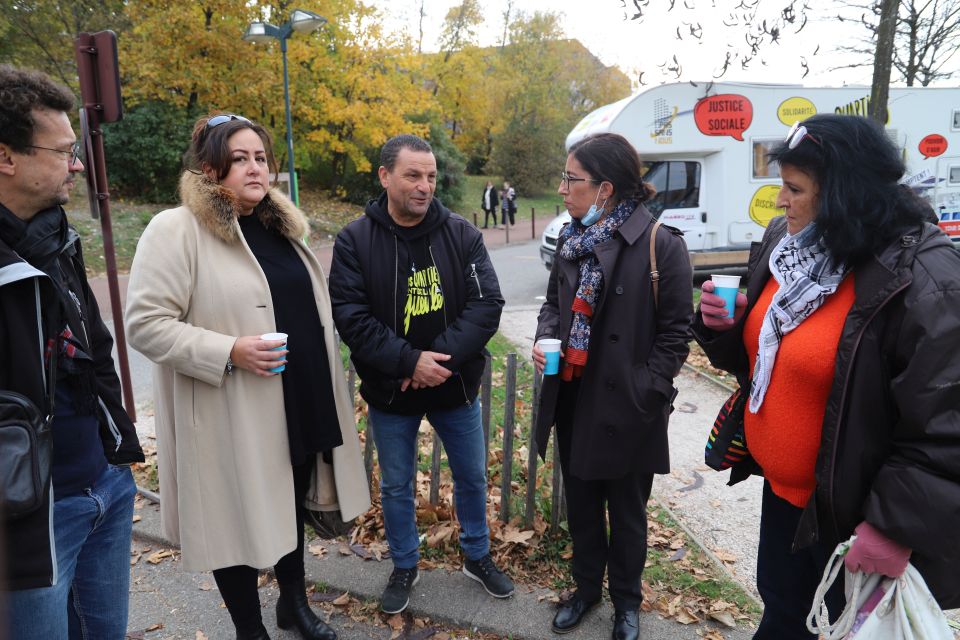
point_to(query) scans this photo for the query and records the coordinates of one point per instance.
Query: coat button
(610, 431)
(619, 290)
(611, 385)
(614, 337)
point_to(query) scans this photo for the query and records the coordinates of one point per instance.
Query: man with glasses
(67, 562)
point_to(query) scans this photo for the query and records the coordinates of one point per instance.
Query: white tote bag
(878, 607)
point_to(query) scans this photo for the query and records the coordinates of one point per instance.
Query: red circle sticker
(727, 114)
(933, 145)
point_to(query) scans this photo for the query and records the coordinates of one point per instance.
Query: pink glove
(714, 310)
(873, 552)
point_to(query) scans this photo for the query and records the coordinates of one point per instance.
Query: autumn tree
(550, 84)
(926, 41)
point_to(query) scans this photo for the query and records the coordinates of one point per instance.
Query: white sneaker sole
(405, 604)
(467, 573)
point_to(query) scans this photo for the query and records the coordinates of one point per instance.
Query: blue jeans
(89, 598)
(462, 436)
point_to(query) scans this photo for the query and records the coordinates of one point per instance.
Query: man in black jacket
(68, 561)
(416, 299)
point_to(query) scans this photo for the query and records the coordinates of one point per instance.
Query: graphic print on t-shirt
(424, 296)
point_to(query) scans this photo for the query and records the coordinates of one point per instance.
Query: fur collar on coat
(216, 208)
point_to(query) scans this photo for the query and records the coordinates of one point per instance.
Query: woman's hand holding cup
(714, 310)
(259, 356)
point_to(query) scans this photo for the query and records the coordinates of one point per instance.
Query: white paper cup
(727, 288)
(277, 336)
(551, 349)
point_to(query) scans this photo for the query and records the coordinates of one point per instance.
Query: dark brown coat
(635, 351)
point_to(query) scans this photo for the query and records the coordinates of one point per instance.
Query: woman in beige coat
(241, 446)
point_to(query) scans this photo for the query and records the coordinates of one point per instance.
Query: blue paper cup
(727, 288)
(277, 336)
(551, 349)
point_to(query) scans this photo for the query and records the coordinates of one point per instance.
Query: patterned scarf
(578, 245)
(807, 274)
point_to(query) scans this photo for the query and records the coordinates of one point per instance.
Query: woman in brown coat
(241, 446)
(624, 341)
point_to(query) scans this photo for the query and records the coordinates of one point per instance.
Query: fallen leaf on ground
(318, 550)
(343, 599)
(201, 635)
(158, 556)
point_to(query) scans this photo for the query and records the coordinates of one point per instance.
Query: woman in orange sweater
(847, 343)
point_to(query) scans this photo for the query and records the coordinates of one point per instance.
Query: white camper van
(704, 147)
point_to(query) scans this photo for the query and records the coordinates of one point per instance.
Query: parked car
(548, 240)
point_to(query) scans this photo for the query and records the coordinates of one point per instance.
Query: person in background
(68, 562)
(848, 344)
(624, 342)
(508, 200)
(416, 299)
(489, 204)
(241, 446)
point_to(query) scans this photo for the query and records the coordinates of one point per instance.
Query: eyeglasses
(797, 134)
(216, 121)
(565, 177)
(74, 152)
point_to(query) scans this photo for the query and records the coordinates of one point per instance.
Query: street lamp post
(263, 32)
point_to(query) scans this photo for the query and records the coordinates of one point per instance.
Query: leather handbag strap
(654, 273)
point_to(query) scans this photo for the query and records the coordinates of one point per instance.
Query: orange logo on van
(727, 114)
(933, 145)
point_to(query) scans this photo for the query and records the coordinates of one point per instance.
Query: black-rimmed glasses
(797, 134)
(216, 121)
(567, 179)
(74, 151)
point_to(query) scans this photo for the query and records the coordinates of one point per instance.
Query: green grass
(128, 220)
(716, 585)
(544, 204)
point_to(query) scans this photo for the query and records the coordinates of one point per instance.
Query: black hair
(21, 92)
(610, 157)
(392, 147)
(861, 207)
(210, 145)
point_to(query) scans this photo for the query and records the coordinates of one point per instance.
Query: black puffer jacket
(890, 445)
(28, 542)
(368, 303)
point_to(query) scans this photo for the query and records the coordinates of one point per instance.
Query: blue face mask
(594, 212)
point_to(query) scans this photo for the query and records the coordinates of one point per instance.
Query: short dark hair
(21, 92)
(611, 158)
(392, 147)
(861, 206)
(209, 146)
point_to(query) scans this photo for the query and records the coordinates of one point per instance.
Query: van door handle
(703, 216)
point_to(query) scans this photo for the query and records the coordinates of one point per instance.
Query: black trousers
(238, 585)
(507, 211)
(487, 215)
(623, 552)
(787, 581)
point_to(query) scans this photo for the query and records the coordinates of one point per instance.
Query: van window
(677, 183)
(954, 177)
(762, 170)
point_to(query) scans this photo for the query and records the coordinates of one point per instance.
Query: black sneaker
(396, 596)
(486, 573)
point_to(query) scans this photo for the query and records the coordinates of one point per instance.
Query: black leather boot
(626, 625)
(258, 632)
(293, 610)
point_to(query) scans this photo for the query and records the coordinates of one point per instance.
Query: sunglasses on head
(216, 121)
(797, 134)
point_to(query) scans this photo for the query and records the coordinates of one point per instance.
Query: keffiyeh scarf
(578, 245)
(807, 274)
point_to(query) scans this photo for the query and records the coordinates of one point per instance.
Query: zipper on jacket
(843, 402)
(396, 278)
(466, 399)
(473, 274)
